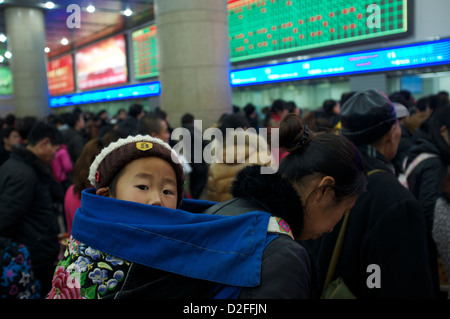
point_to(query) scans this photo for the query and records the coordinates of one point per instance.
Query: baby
(139, 169)
(131, 239)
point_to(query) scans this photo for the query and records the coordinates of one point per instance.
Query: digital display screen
(102, 64)
(60, 75)
(145, 53)
(407, 56)
(121, 93)
(5, 81)
(261, 28)
(400, 57)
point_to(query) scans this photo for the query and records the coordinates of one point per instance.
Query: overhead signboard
(400, 57)
(112, 94)
(262, 28)
(102, 64)
(424, 54)
(145, 53)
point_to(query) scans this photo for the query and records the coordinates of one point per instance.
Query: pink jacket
(61, 164)
(71, 203)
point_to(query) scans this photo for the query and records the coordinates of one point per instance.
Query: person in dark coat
(27, 215)
(199, 175)
(10, 137)
(386, 229)
(73, 136)
(129, 126)
(426, 178)
(405, 139)
(309, 193)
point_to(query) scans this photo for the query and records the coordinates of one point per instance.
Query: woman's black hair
(324, 153)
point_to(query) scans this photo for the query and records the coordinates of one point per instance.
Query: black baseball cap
(367, 116)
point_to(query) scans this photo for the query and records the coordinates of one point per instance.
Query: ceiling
(107, 19)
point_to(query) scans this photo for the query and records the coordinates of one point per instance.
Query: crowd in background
(84, 134)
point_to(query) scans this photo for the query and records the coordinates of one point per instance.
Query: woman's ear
(104, 191)
(326, 181)
(321, 190)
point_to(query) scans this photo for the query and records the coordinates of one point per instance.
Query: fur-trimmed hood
(271, 191)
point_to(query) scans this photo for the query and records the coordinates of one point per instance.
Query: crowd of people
(371, 168)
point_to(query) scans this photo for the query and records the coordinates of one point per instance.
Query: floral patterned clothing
(87, 273)
(17, 280)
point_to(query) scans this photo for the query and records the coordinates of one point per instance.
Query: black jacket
(386, 227)
(26, 206)
(285, 271)
(425, 181)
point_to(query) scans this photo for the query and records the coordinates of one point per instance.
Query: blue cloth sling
(223, 249)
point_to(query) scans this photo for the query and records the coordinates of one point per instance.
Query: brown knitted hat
(116, 155)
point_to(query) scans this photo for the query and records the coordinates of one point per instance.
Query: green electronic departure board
(145, 51)
(264, 28)
(261, 28)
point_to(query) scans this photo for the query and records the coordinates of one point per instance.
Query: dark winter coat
(286, 267)
(386, 227)
(26, 206)
(425, 181)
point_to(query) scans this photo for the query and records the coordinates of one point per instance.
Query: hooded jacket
(157, 252)
(230, 158)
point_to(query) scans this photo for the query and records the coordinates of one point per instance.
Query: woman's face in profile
(321, 209)
(320, 219)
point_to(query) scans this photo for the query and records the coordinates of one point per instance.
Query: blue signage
(399, 57)
(407, 56)
(120, 93)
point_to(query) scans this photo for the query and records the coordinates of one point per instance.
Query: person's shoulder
(385, 189)
(286, 243)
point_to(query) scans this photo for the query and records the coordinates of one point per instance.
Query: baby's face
(148, 180)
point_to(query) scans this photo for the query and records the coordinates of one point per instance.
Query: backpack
(16, 276)
(403, 177)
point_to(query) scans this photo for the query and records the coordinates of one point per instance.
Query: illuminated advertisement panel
(102, 64)
(145, 53)
(261, 28)
(5, 81)
(60, 75)
(401, 57)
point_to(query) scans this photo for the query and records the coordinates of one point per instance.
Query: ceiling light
(2, 37)
(2, 59)
(90, 8)
(47, 50)
(127, 12)
(49, 5)
(8, 54)
(64, 41)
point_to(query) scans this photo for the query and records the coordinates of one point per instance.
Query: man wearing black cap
(386, 252)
